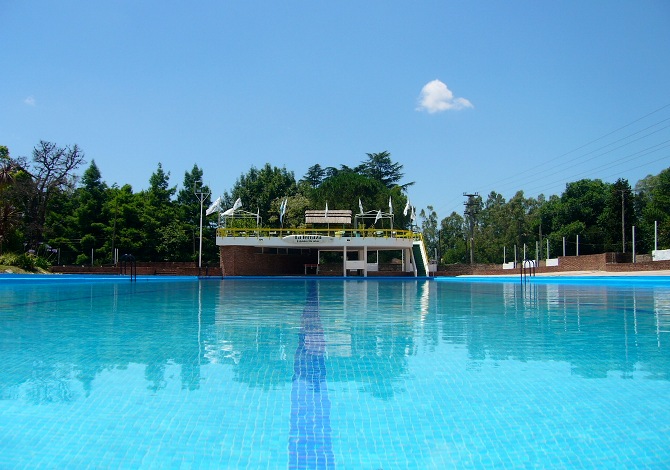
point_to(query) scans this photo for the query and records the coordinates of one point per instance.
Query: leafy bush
(42, 263)
(26, 261)
(82, 260)
(9, 259)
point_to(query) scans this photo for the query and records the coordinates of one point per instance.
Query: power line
(620, 161)
(582, 161)
(541, 165)
(574, 167)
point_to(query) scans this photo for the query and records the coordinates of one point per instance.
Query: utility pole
(439, 245)
(623, 227)
(201, 194)
(471, 213)
(114, 231)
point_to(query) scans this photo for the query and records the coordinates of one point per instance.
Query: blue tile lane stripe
(310, 444)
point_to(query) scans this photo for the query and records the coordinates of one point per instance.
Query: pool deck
(660, 272)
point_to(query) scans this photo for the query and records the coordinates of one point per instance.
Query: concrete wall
(660, 255)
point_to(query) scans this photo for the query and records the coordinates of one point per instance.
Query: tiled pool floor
(333, 374)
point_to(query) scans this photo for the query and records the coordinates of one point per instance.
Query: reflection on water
(310, 444)
(54, 335)
(296, 373)
(366, 323)
(596, 329)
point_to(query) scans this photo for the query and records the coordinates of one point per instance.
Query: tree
(173, 241)
(89, 218)
(189, 208)
(518, 228)
(295, 211)
(538, 225)
(380, 167)
(429, 229)
(331, 171)
(346, 188)
(260, 189)
(453, 238)
(157, 214)
(493, 225)
(620, 197)
(343, 190)
(124, 231)
(9, 205)
(314, 176)
(52, 171)
(657, 209)
(582, 202)
(473, 208)
(62, 229)
(548, 212)
(187, 199)
(160, 193)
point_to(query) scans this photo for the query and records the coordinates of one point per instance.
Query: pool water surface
(332, 373)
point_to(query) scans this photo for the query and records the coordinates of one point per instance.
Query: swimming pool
(332, 373)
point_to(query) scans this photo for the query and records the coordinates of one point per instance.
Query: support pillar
(344, 261)
(365, 258)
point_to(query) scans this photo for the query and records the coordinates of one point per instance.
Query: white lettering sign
(308, 238)
(304, 239)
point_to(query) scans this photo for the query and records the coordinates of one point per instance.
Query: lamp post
(201, 195)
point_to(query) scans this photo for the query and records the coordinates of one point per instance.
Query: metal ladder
(527, 270)
(128, 262)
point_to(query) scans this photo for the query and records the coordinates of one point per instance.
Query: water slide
(420, 258)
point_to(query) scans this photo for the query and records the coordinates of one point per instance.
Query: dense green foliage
(48, 212)
(588, 209)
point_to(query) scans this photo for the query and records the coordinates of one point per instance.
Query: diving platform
(329, 244)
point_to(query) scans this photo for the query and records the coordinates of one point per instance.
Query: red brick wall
(584, 263)
(157, 268)
(475, 269)
(248, 261)
(609, 262)
(643, 266)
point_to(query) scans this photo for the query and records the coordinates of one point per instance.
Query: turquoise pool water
(306, 373)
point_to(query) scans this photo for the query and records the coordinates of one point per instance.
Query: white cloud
(30, 101)
(436, 97)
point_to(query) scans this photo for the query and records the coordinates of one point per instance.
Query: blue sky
(469, 96)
